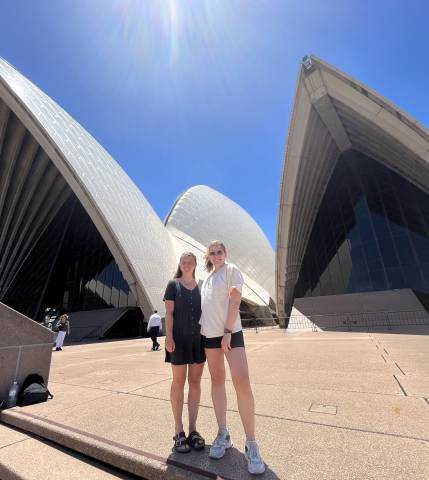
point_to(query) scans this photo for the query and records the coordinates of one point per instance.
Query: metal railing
(344, 321)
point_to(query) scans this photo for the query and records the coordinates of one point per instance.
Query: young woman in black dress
(184, 349)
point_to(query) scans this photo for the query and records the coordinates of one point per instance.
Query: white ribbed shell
(205, 214)
(138, 240)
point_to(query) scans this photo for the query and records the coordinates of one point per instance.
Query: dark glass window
(371, 233)
(70, 268)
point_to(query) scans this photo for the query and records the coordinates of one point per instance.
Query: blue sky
(193, 92)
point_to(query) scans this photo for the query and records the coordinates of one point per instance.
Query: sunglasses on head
(219, 252)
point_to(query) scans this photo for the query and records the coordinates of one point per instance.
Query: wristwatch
(227, 330)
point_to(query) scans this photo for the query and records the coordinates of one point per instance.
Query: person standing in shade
(184, 350)
(223, 337)
(63, 327)
(154, 327)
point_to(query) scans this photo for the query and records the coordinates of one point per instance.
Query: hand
(226, 342)
(170, 346)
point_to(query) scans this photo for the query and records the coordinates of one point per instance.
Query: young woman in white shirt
(223, 337)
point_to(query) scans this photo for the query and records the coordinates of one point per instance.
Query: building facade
(76, 233)
(354, 204)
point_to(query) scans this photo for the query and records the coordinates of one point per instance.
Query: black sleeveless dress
(186, 328)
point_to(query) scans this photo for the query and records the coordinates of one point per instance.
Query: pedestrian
(154, 327)
(184, 350)
(223, 337)
(63, 328)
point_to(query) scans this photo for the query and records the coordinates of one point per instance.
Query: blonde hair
(208, 263)
(179, 272)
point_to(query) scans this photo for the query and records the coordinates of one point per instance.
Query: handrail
(359, 320)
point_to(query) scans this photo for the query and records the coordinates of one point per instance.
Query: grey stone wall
(25, 347)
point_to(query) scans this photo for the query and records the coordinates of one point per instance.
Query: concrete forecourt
(330, 405)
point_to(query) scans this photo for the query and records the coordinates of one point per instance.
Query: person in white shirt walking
(223, 337)
(63, 328)
(154, 327)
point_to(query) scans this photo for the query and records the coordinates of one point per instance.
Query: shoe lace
(253, 451)
(219, 440)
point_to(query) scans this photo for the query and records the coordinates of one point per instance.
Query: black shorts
(237, 340)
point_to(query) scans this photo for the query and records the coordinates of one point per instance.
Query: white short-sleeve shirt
(215, 300)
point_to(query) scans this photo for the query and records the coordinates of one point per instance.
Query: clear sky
(187, 92)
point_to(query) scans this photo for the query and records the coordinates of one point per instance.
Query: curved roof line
(384, 102)
(178, 198)
(331, 114)
(190, 214)
(252, 291)
(131, 229)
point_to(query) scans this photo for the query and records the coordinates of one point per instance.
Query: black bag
(33, 390)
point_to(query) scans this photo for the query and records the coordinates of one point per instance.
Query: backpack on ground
(33, 390)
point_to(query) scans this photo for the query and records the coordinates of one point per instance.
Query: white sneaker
(255, 464)
(220, 444)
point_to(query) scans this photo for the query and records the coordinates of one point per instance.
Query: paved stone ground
(24, 457)
(330, 405)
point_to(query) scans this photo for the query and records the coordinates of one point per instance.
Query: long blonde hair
(207, 261)
(179, 272)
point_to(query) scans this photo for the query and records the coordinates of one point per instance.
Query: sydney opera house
(353, 220)
(76, 234)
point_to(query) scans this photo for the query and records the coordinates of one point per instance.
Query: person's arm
(233, 309)
(235, 286)
(169, 340)
(148, 324)
(68, 327)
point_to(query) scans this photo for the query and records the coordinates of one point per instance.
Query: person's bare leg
(215, 360)
(240, 377)
(176, 395)
(194, 394)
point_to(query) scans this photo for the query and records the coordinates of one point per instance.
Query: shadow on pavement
(233, 466)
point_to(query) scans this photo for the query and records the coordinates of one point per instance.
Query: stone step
(27, 457)
(72, 442)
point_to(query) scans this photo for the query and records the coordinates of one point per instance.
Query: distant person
(63, 328)
(184, 350)
(223, 337)
(154, 327)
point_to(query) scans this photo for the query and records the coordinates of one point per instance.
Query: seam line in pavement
(71, 407)
(306, 422)
(120, 446)
(400, 369)
(322, 389)
(110, 390)
(86, 386)
(400, 386)
(150, 385)
(93, 360)
(353, 429)
(14, 443)
(230, 381)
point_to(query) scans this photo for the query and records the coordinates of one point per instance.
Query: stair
(28, 457)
